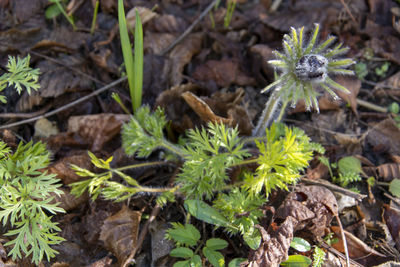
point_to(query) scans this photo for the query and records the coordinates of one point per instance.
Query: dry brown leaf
(391, 217)
(386, 134)
(357, 248)
(389, 171)
(224, 73)
(145, 14)
(97, 129)
(313, 207)
(120, 231)
(174, 106)
(62, 167)
(319, 172)
(157, 42)
(67, 201)
(168, 23)
(274, 247)
(392, 81)
(182, 55)
(353, 84)
(352, 144)
(203, 110)
(260, 54)
(104, 262)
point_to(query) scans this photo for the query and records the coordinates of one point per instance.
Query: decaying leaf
(357, 248)
(97, 129)
(385, 133)
(182, 55)
(203, 110)
(312, 206)
(160, 247)
(274, 247)
(68, 201)
(119, 233)
(391, 217)
(145, 14)
(309, 209)
(62, 167)
(389, 171)
(223, 72)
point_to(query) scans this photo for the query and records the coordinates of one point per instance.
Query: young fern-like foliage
(280, 161)
(19, 74)
(26, 196)
(209, 154)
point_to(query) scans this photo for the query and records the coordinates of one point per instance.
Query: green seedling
(96, 10)
(302, 245)
(187, 237)
(382, 70)
(361, 70)
(230, 9)
(206, 156)
(26, 192)
(304, 67)
(133, 64)
(57, 8)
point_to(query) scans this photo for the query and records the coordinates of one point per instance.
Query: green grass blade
(138, 63)
(126, 48)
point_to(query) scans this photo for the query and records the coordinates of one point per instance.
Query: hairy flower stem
(273, 112)
(173, 148)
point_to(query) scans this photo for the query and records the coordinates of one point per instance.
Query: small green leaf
(253, 240)
(182, 263)
(205, 212)
(216, 243)
(394, 108)
(181, 252)
(52, 12)
(186, 235)
(371, 181)
(394, 187)
(214, 257)
(297, 261)
(349, 165)
(300, 244)
(236, 262)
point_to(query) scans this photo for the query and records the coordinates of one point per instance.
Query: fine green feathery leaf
(183, 235)
(144, 132)
(318, 257)
(209, 152)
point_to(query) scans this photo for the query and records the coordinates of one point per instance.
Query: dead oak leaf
(120, 231)
(224, 73)
(97, 129)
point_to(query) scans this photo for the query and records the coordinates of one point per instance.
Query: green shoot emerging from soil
(304, 68)
(207, 159)
(27, 192)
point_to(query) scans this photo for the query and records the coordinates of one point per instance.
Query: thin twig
(53, 112)
(190, 28)
(66, 66)
(371, 106)
(26, 115)
(335, 188)
(156, 210)
(348, 11)
(346, 250)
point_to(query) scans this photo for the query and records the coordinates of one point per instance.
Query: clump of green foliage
(348, 168)
(26, 192)
(26, 199)
(187, 237)
(303, 246)
(19, 75)
(207, 156)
